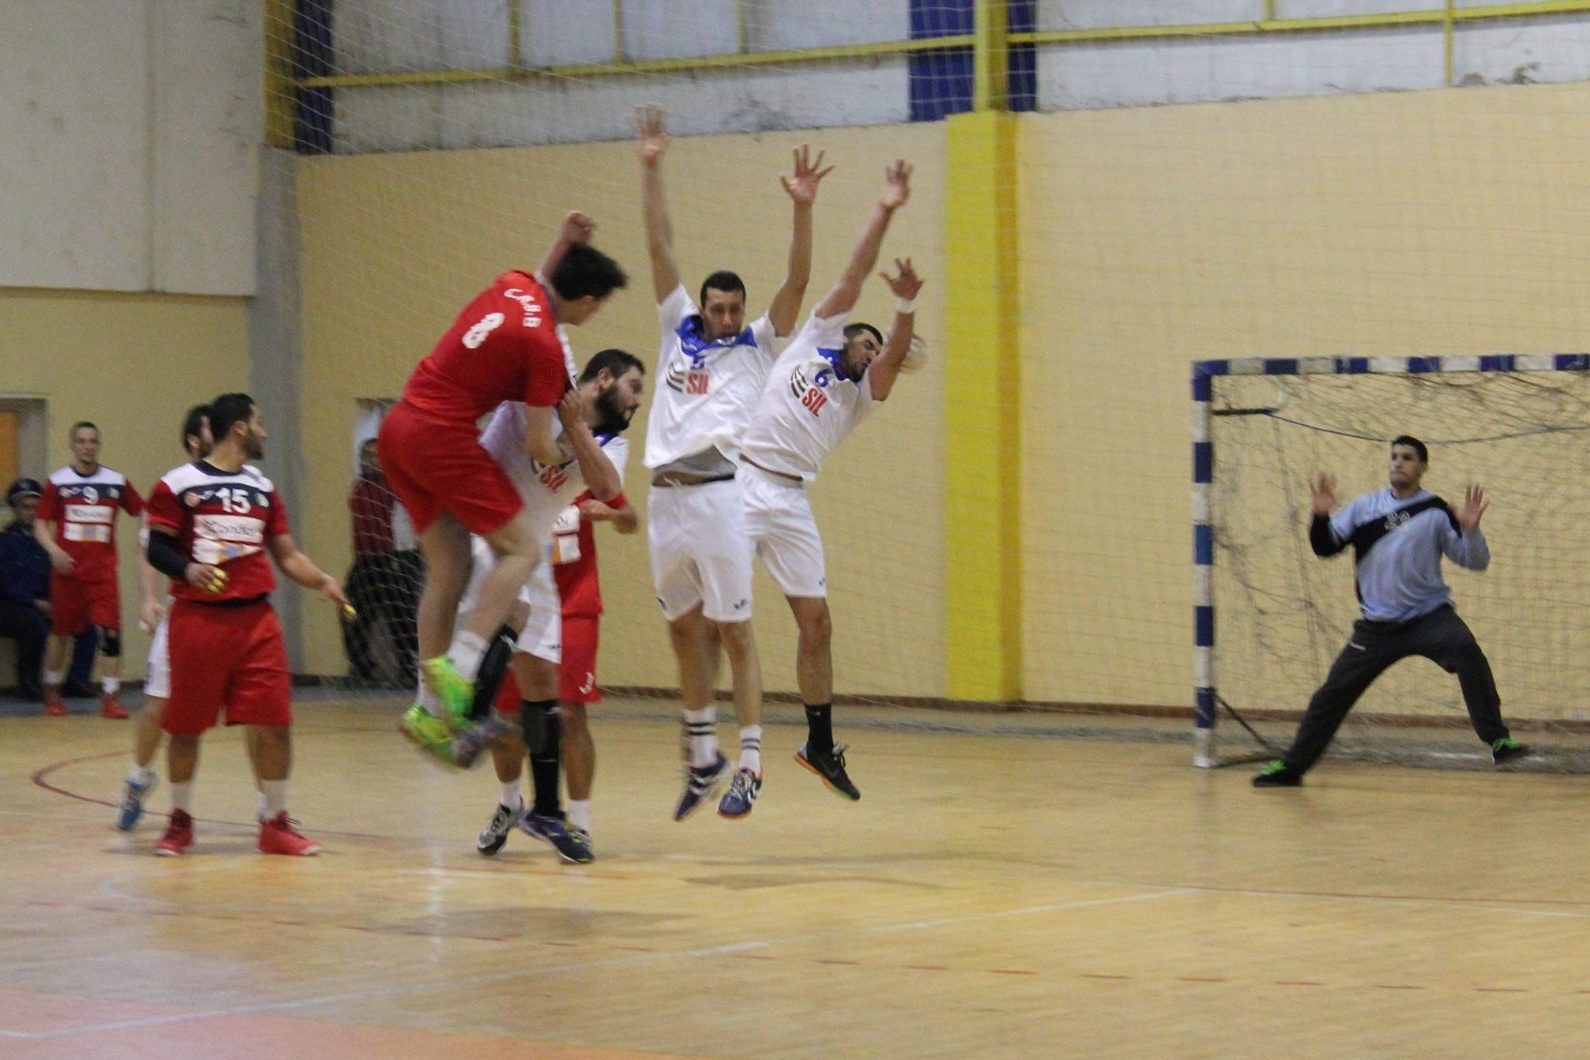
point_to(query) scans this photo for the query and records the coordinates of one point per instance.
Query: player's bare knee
(514, 539)
(738, 638)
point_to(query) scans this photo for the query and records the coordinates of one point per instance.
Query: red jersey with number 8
(504, 346)
(222, 518)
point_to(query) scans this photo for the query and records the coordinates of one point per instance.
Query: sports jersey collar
(210, 469)
(692, 341)
(85, 474)
(836, 361)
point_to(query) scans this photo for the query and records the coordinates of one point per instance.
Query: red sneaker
(279, 835)
(54, 707)
(178, 837)
(110, 706)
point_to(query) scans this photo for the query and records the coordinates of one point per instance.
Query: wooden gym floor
(991, 894)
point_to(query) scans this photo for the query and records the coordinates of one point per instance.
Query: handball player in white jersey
(820, 388)
(711, 368)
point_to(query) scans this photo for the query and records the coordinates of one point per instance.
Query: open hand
(802, 187)
(1324, 490)
(907, 283)
(1474, 505)
(651, 135)
(896, 185)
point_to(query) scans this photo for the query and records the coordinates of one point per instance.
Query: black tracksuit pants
(1440, 636)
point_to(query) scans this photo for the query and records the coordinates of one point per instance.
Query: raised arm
(1467, 546)
(802, 190)
(896, 190)
(601, 477)
(653, 141)
(1321, 538)
(577, 228)
(883, 371)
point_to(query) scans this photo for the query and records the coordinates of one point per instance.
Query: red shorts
(77, 603)
(437, 466)
(577, 674)
(507, 702)
(226, 657)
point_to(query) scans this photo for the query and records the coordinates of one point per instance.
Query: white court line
(575, 967)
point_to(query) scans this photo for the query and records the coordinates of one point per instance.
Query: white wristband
(905, 305)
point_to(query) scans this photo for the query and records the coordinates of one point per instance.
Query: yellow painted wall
(394, 245)
(132, 363)
(1398, 224)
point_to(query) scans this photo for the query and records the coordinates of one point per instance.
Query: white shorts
(157, 675)
(782, 529)
(700, 556)
(542, 635)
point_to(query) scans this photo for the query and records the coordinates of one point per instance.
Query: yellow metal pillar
(982, 627)
(280, 91)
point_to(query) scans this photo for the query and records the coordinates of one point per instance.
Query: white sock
(181, 794)
(431, 701)
(580, 813)
(273, 793)
(110, 685)
(703, 739)
(751, 748)
(52, 678)
(465, 654)
(259, 805)
(511, 796)
(140, 775)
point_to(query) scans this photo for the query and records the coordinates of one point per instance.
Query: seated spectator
(25, 600)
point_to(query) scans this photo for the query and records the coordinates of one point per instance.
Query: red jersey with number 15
(223, 518)
(504, 346)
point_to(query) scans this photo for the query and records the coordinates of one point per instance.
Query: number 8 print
(477, 334)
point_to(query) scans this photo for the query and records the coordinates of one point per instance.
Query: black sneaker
(1507, 749)
(1278, 775)
(830, 765)
(497, 829)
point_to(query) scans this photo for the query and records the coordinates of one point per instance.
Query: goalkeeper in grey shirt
(1398, 536)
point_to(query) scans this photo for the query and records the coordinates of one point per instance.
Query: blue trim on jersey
(835, 359)
(692, 342)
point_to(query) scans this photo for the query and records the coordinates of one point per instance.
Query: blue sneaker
(572, 845)
(132, 803)
(742, 793)
(700, 785)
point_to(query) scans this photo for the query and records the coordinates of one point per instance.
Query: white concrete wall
(131, 133)
(387, 35)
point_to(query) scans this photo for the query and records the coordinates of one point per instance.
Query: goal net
(1278, 615)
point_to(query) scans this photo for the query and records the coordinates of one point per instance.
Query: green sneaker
(427, 732)
(1506, 749)
(457, 692)
(1278, 775)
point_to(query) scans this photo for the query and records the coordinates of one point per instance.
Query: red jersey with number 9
(222, 518)
(504, 346)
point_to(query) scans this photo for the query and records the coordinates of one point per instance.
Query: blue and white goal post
(1206, 386)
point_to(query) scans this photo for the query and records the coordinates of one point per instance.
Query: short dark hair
(193, 423)
(226, 410)
(585, 270)
(79, 425)
(1412, 443)
(852, 330)
(617, 362)
(722, 280)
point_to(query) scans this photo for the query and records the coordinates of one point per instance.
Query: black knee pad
(110, 643)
